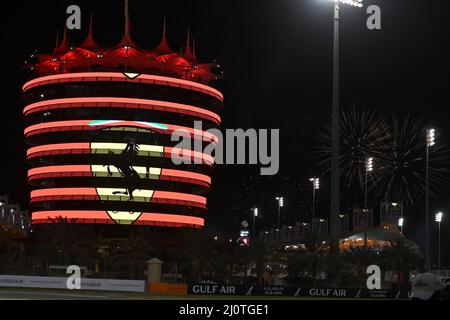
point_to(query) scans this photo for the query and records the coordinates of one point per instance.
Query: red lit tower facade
(98, 125)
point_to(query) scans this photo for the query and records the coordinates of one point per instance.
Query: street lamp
(369, 168)
(280, 205)
(316, 185)
(335, 140)
(321, 221)
(430, 142)
(255, 215)
(438, 219)
(342, 225)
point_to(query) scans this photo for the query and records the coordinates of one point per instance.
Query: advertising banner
(61, 283)
(281, 291)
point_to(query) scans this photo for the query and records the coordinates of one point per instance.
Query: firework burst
(403, 166)
(363, 134)
(398, 147)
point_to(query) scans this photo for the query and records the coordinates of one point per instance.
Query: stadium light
(280, 205)
(316, 185)
(335, 141)
(255, 215)
(369, 168)
(438, 219)
(431, 133)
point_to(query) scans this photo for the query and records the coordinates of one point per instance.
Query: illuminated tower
(98, 129)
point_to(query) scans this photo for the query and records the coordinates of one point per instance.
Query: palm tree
(402, 257)
(132, 253)
(198, 255)
(310, 261)
(102, 252)
(12, 241)
(357, 259)
(334, 263)
(232, 260)
(259, 255)
(65, 240)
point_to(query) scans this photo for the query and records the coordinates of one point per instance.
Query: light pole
(322, 221)
(335, 141)
(255, 215)
(280, 205)
(401, 222)
(369, 168)
(342, 227)
(438, 219)
(316, 185)
(430, 142)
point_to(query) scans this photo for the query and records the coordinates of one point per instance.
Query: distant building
(390, 213)
(294, 233)
(362, 219)
(11, 213)
(320, 225)
(271, 235)
(343, 224)
(377, 238)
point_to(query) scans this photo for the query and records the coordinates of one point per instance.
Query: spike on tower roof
(127, 19)
(89, 43)
(64, 46)
(188, 52)
(163, 47)
(123, 55)
(126, 40)
(188, 40)
(56, 41)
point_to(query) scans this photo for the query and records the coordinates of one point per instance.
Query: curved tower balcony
(100, 148)
(98, 126)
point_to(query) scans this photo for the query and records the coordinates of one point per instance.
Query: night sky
(277, 58)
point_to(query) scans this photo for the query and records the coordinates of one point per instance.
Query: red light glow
(120, 77)
(127, 103)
